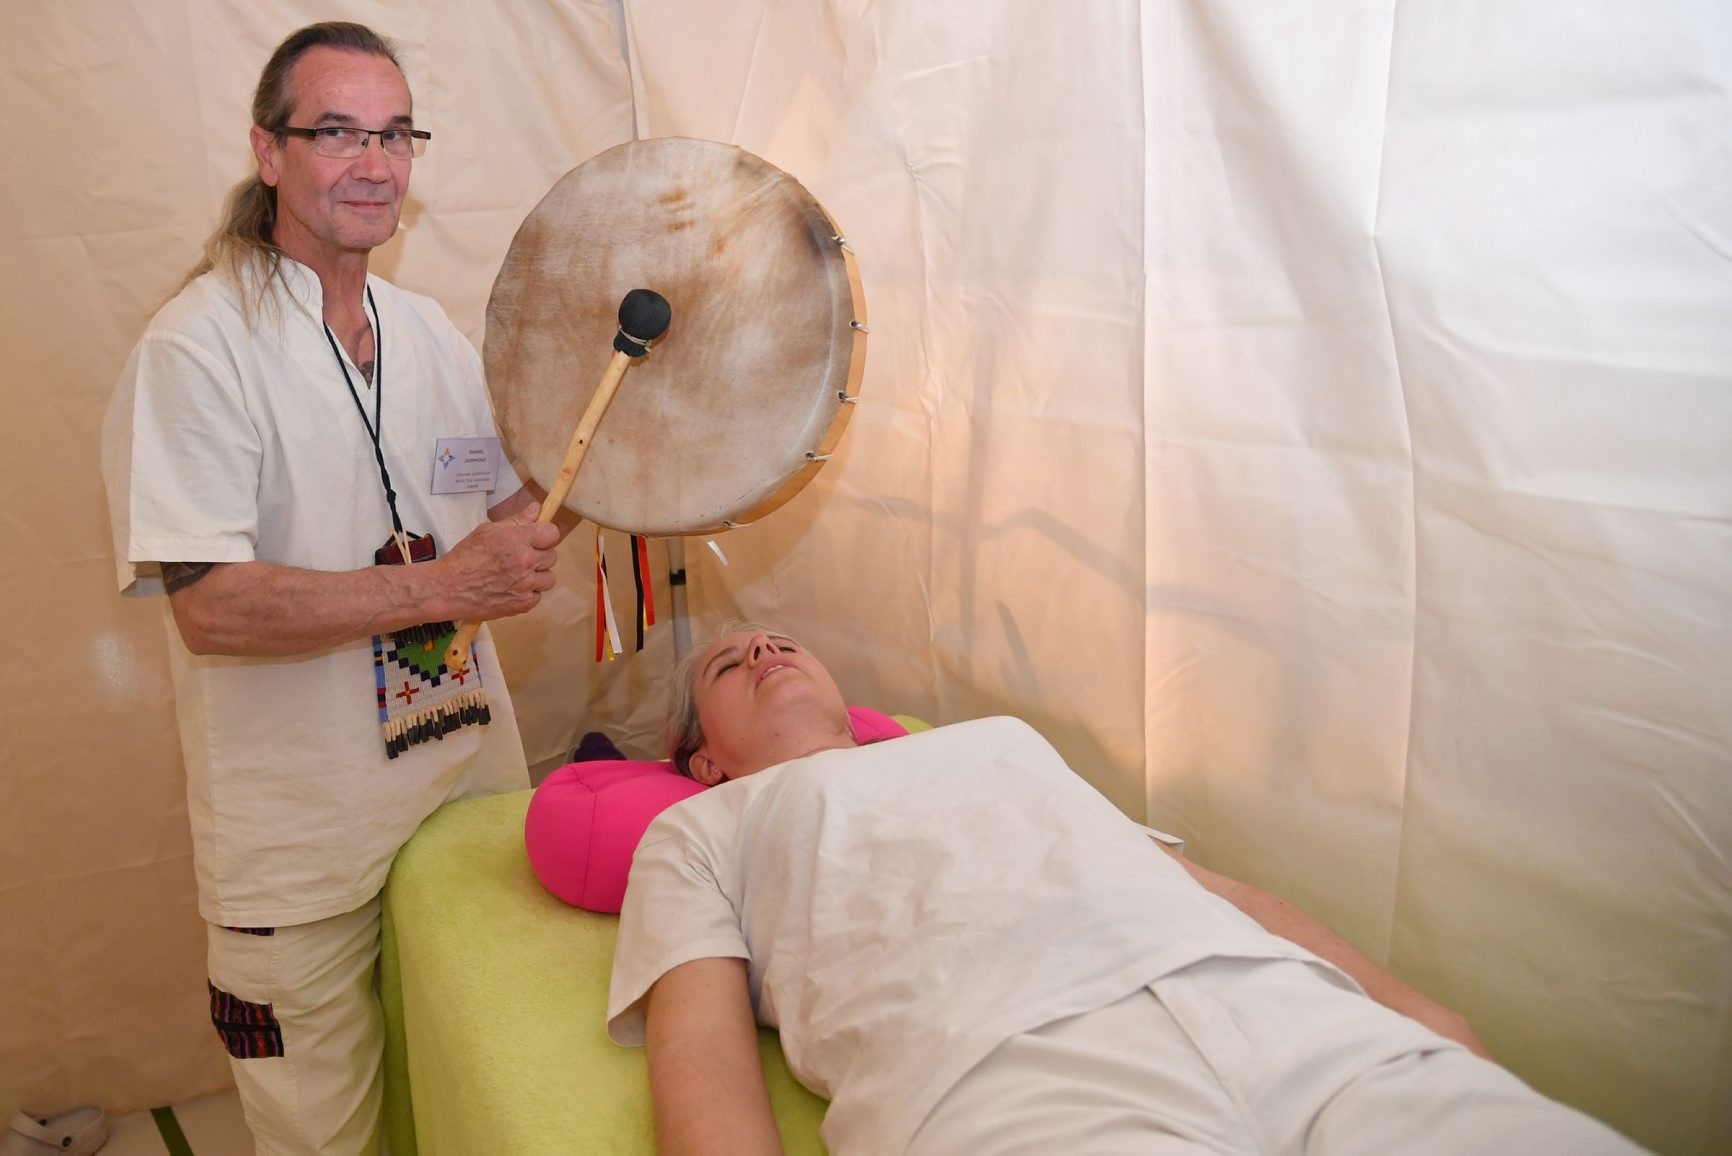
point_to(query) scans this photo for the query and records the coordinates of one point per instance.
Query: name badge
(465, 465)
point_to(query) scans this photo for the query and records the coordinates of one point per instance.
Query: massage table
(495, 997)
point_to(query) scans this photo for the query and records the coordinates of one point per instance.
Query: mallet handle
(457, 655)
(580, 439)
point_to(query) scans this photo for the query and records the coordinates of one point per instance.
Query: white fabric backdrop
(1369, 367)
(1555, 226)
(1450, 562)
(1314, 421)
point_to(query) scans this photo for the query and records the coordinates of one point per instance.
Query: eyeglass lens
(352, 142)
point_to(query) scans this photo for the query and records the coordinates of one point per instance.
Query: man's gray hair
(683, 734)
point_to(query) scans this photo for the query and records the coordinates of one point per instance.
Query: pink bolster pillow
(585, 819)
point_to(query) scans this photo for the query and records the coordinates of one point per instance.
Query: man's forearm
(1278, 917)
(262, 610)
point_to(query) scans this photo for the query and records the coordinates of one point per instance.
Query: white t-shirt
(231, 443)
(907, 906)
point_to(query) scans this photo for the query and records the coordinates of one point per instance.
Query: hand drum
(740, 406)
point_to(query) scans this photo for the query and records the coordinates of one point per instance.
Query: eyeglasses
(340, 141)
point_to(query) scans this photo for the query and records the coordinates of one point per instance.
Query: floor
(213, 1127)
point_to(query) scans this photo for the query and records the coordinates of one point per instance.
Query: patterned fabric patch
(249, 1030)
(419, 699)
(249, 930)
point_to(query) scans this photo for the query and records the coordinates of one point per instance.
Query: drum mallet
(643, 317)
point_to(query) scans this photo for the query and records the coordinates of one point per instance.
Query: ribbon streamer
(607, 643)
(646, 603)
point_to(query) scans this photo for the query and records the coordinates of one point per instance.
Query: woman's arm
(705, 1074)
(1278, 917)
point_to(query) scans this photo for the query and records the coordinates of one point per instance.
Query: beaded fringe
(436, 721)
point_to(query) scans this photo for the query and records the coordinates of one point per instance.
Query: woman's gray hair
(243, 247)
(683, 734)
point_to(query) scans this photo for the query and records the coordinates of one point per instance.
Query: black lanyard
(375, 427)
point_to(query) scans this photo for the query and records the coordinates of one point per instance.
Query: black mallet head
(643, 317)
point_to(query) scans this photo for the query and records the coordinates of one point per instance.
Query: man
(968, 950)
(269, 443)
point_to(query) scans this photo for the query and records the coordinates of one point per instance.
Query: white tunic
(231, 443)
(907, 906)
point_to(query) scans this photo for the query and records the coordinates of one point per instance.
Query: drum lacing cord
(843, 242)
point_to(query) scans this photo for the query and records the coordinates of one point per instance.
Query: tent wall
(1449, 564)
(1315, 422)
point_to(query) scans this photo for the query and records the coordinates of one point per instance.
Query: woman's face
(757, 693)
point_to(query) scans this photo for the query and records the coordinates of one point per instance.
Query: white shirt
(907, 906)
(230, 442)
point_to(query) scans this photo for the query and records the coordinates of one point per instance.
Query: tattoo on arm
(180, 575)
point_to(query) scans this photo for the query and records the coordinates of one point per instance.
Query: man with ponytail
(267, 456)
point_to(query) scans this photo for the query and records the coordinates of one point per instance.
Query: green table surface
(495, 998)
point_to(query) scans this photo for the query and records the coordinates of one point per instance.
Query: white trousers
(1254, 1057)
(299, 1013)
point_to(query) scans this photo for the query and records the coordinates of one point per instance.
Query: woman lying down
(969, 950)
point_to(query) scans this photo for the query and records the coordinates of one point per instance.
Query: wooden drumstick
(643, 317)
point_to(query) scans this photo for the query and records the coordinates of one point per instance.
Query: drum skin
(722, 421)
